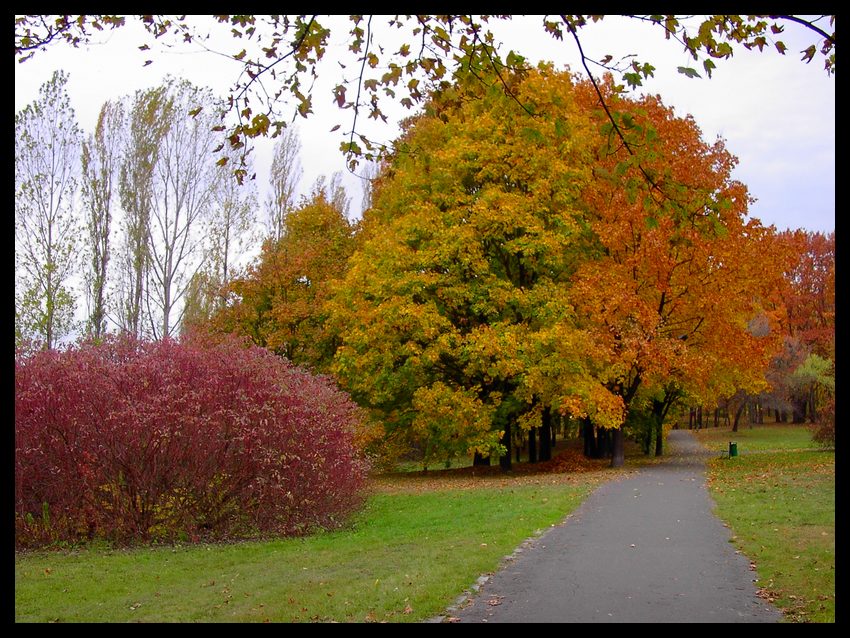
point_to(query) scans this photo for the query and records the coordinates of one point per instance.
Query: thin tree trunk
(591, 450)
(812, 413)
(603, 442)
(546, 435)
(532, 445)
(617, 448)
(479, 460)
(659, 411)
(505, 459)
(738, 413)
(659, 437)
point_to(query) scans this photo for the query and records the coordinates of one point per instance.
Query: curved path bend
(645, 548)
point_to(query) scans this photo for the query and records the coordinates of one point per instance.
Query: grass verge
(405, 557)
(779, 501)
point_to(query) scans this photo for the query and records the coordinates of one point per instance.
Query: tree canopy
(516, 261)
(402, 58)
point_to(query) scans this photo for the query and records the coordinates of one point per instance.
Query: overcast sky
(776, 113)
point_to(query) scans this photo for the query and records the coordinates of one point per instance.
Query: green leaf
(350, 147)
(688, 71)
(532, 135)
(632, 79)
(562, 128)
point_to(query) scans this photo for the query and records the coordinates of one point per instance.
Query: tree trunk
(505, 459)
(546, 435)
(603, 442)
(716, 417)
(532, 445)
(617, 448)
(738, 413)
(591, 450)
(659, 412)
(659, 437)
(556, 427)
(798, 408)
(812, 413)
(479, 460)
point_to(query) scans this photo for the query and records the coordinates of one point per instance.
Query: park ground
(423, 539)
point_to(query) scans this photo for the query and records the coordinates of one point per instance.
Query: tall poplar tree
(148, 122)
(47, 160)
(183, 184)
(283, 182)
(101, 161)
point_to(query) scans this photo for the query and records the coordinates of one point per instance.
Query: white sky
(776, 113)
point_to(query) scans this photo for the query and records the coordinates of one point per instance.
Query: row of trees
(138, 218)
(525, 258)
(520, 263)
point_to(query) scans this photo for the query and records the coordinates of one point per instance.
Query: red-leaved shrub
(138, 441)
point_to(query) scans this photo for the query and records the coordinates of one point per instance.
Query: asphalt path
(644, 548)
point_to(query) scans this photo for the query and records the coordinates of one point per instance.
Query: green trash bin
(733, 449)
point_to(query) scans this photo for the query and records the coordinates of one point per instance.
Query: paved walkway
(646, 548)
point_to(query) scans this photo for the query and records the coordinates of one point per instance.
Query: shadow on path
(645, 548)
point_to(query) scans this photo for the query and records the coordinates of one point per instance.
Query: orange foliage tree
(278, 301)
(679, 276)
(519, 260)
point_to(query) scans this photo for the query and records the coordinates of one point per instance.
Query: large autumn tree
(679, 273)
(453, 307)
(520, 260)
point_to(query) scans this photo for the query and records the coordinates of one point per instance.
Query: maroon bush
(136, 441)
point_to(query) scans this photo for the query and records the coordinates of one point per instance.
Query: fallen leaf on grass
(408, 609)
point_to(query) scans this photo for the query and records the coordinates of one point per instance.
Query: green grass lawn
(406, 557)
(778, 497)
(760, 438)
